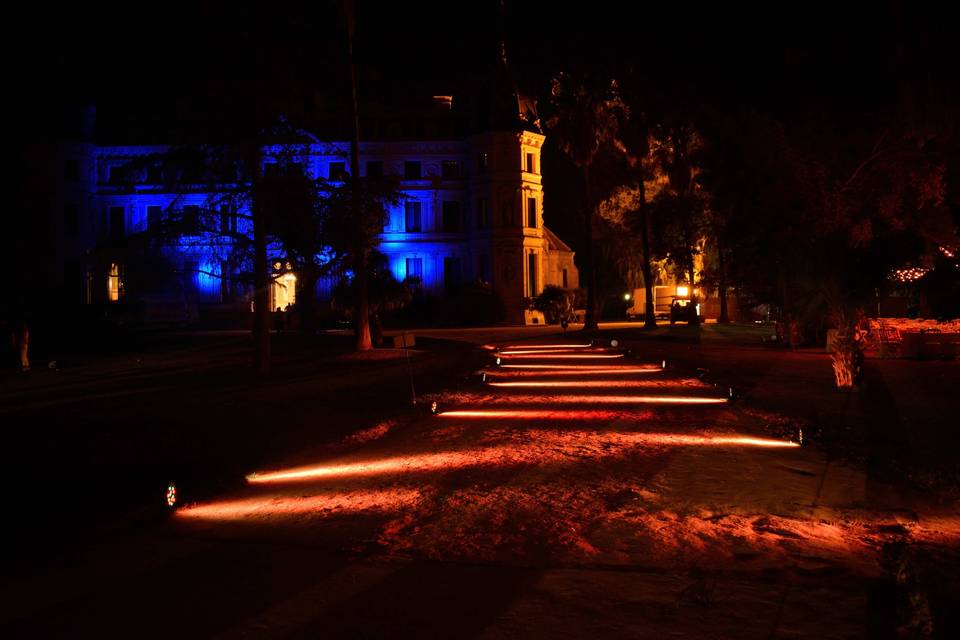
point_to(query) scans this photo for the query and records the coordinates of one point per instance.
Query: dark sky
(137, 57)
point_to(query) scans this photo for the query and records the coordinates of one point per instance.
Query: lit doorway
(283, 291)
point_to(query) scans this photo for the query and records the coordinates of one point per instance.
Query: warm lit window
(114, 282)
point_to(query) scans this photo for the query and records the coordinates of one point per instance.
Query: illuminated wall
(472, 211)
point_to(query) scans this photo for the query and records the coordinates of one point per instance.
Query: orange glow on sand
(289, 506)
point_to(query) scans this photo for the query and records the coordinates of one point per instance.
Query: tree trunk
(590, 319)
(847, 354)
(722, 284)
(650, 314)
(306, 300)
(362, 310)
(693, 296)
(261, 275)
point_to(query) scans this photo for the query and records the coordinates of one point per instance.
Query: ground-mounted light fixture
(614, 343)
(483, 376)
(433, 407)
(498, 361)
(171, 495)
(663, 364)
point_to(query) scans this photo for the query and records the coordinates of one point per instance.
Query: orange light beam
(538, 351)
(576, 399)
(563, 442)
(549, 346)
(591, 356)
(582, 383)
(605, 368)
(555, 372)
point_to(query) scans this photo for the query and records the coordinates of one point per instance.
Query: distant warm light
(682, 291)
(171, 494)
(626, 296)
(910, 274)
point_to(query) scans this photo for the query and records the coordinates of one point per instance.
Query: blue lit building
(472, 211)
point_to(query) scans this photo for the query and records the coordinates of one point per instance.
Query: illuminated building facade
(472, 211)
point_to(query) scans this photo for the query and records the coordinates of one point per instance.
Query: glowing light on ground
(549, 346)
(577, 399)
(272, 506)
(598, 368)
(540, 372)
(543, 447)
(564, 356)
(605, 384)
(537, 351)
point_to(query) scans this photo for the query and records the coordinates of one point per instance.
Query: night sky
(191, 57)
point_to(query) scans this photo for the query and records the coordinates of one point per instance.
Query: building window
(532, 212)
(71, 220)
(529, 166)
(338, 170)
(191, 219)
(116, 223)
(114, 282)
(483, 163)
(374, 168)
(450, 169)
(228, 219)
(154, 174)
(482, 213)
(563, 278)
(191, 271)
(412, 217)
(451, 216)
(483, 268)
(117, 174)
(225, 281)
(531, 275)
(451, 275)
(415, 270)
(154, 216)
(411, 170)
